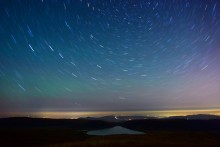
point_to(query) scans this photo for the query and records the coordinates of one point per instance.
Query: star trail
(109, 55)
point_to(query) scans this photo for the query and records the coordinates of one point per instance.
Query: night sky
(109, 55)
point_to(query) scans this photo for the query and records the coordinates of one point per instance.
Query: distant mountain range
(196, 117)
(200, 122)
(129, 118)
(118, 118)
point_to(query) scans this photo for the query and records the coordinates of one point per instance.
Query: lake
(113, 131)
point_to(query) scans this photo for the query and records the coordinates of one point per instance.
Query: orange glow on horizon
(75, 115)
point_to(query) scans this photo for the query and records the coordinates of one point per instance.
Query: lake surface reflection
(113, 131)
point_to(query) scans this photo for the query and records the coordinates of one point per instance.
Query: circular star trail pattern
(101, 55)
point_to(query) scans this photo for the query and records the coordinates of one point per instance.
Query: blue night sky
(104, 55)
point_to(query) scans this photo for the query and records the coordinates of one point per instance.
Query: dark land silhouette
(194, 130)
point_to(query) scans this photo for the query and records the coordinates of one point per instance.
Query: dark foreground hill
(70, 132)
(77, 124)
(174, 125)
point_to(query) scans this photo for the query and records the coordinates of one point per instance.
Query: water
(113, 131)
